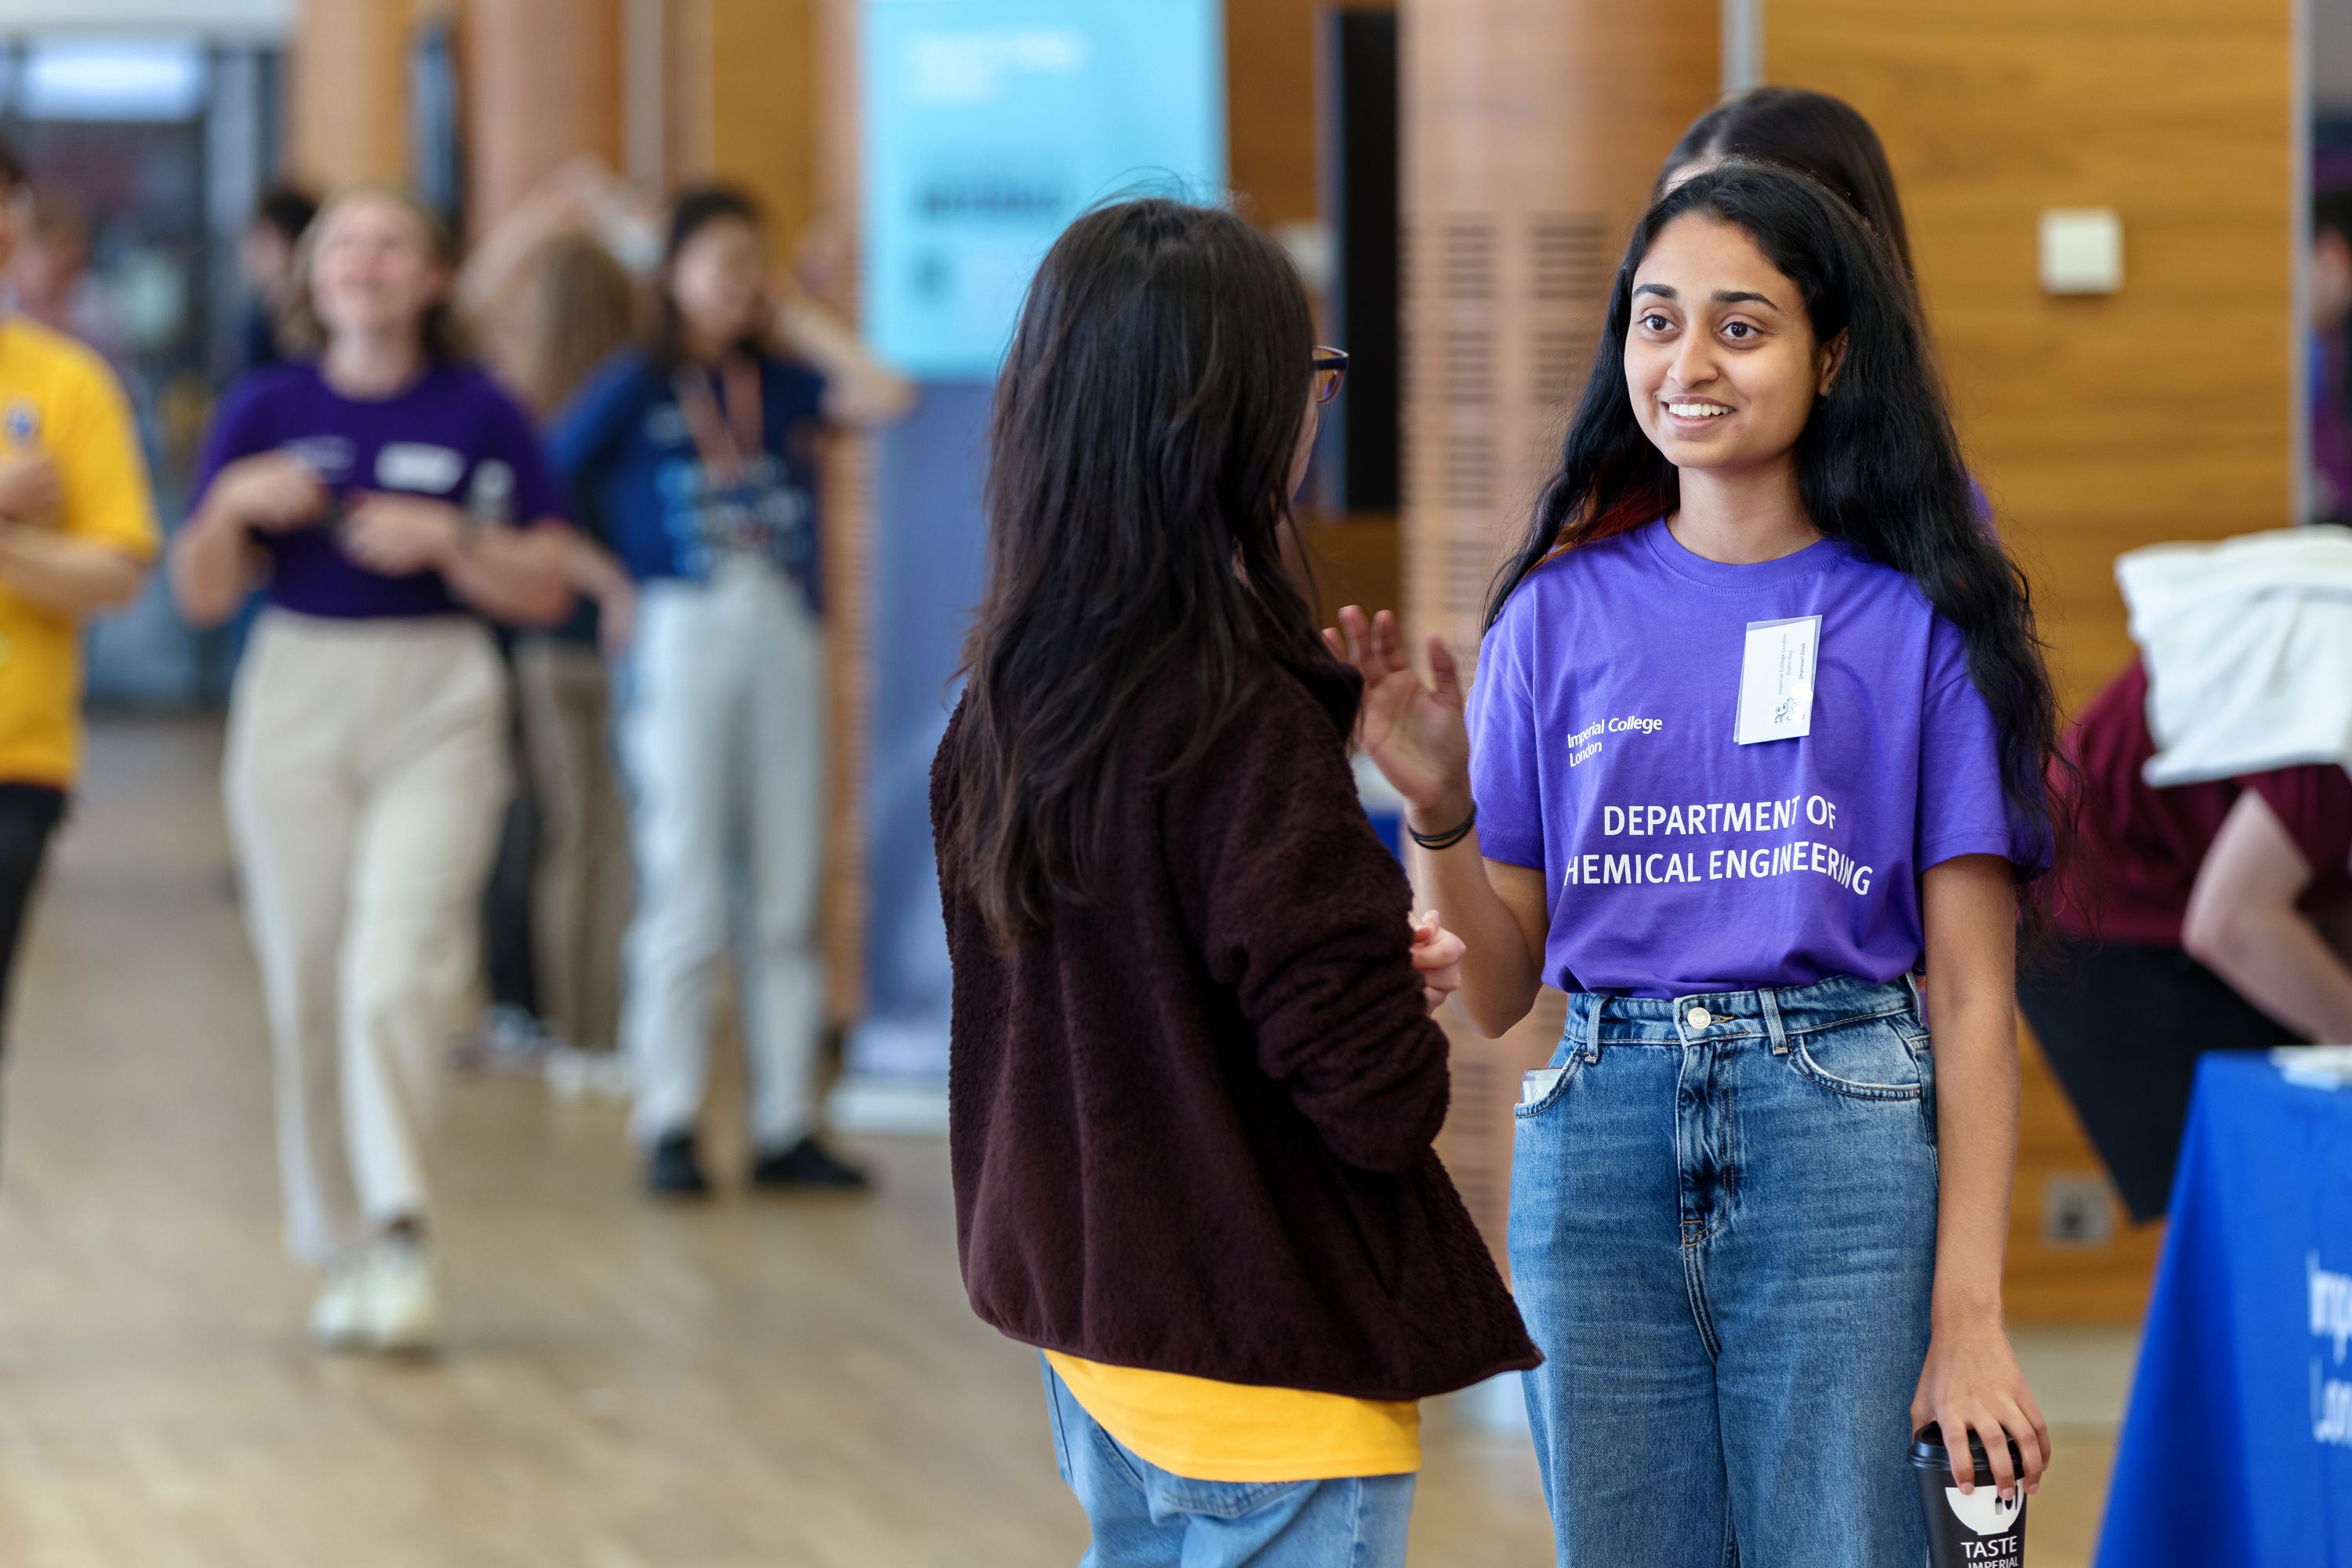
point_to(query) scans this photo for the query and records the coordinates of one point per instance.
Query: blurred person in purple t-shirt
(386, 496)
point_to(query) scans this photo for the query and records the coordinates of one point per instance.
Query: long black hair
(1817, 136)
(1144, 429)
(1879, 463)
(696, 208)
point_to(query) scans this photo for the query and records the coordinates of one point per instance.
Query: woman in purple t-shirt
(387, 496)
(1757, 733)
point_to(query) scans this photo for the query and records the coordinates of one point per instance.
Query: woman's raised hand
(1412, 730)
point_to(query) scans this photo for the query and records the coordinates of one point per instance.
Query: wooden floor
(758, 1382)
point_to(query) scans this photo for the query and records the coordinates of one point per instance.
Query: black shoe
(806, 1164)
(673, 1171)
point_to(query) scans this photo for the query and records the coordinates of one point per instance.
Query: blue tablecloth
(2238, 1446)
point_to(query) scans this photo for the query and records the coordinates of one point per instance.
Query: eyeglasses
(1330, 369)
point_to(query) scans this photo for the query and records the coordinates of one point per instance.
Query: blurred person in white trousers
(389, 496)
(701, 452)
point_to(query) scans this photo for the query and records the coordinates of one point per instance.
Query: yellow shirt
(59, 399)
(1210, 1431)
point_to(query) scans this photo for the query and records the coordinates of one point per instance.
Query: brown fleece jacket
(1191, 1121)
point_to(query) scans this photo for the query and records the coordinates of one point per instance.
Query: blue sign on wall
(989, 124)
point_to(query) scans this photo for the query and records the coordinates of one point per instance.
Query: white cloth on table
(2248, 645)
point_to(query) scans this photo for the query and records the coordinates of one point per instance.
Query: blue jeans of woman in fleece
(1145, 1517)
(1722, 1237)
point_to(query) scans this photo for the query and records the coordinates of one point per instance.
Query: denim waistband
(1770, 1013)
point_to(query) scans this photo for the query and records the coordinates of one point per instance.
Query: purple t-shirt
(454, 436)
(1681, 862)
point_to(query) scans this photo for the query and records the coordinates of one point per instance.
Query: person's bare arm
(73, 576)
(2243, 923)
(859, 388)
(31, 488)
(212, 566)
(1414, 733)
(514, 574)
(1498, 911)
(1971, 1380)
(519, 576)
(564, 201)
(214, 563)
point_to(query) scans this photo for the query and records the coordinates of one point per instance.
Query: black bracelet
(1447, 839)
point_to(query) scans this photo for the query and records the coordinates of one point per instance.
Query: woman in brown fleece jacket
(1194, 1085)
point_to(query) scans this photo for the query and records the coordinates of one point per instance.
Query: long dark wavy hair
(1139, 498)
(1879, 463)
(1813, 134)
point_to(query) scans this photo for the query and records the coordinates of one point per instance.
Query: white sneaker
(402, 1304)
(339, 1317)
(576, 1074)
(567, 1072)
(610, 1076)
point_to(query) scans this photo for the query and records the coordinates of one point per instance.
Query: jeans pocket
(1867, 1059)
(1216, 1500)
(1541, 1090)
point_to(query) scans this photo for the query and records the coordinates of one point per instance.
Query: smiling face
(1720, 360)
(374, 269)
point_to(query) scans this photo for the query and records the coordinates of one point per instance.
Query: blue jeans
(1145, 1517)
(1722, 1237)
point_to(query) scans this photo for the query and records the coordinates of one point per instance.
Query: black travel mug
(1978, 1530)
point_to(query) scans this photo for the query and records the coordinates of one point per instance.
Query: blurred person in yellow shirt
(77, 534)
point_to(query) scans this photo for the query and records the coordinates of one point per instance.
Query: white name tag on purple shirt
(1775, 680)
(416, 466)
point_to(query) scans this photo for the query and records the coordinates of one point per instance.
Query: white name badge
(1775, 680)
(414, 466)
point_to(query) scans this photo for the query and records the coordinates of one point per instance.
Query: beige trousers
(580, 897)
(365, 776)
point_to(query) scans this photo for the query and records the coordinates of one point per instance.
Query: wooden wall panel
(1531, 132)
(2095, 424)
(347, 115)
(1270, 109)
(543, 86)
(763, 105)
(835, 160)
(687, 89)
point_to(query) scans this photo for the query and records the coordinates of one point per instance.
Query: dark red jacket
(2139, 849)
(1192, 1124)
